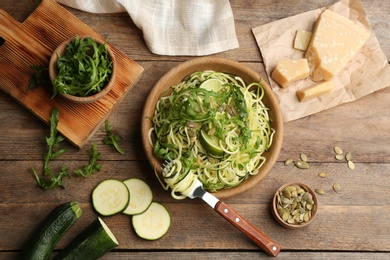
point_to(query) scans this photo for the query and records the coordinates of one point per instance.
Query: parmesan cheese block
(302, 39)
(335, 41)
(288, 71)
(317, 90)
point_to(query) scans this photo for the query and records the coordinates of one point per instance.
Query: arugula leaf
(40, 77)
(53, 140)
(112, 139)
(54, 180)
(239, 101)
(93, 166)
(51, 180)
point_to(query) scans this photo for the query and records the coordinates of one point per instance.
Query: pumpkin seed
(192, 135)
(320, 191)
(192, 124)
(280, 211)
(287, 194)
(322, 174)
(351, 165)
(339, 157)
(211, 131)
(303, 157)
(288, 161)
(348, 156)
(336, 187)
(290, 188)
(301, 164)
(338, 150)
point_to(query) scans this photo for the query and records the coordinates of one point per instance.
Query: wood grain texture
(351, 224)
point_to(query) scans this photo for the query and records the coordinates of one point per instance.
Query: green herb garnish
(50, 179)
(93, 166)
(40, 77)
(84, 70)
(112, 139)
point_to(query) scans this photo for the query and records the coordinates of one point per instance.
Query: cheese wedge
(302, 39)
(317, 90)
(288, 71)
(334, 42)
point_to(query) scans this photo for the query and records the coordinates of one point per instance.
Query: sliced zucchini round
(153, 223)
(141, 196)
(110, 197)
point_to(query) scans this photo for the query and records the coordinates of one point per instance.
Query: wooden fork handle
(258, 237)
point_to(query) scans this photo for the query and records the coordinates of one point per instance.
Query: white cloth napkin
(174, 27)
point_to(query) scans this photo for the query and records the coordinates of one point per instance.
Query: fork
(258, 237)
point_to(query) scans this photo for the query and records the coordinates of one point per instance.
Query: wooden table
(353, 223)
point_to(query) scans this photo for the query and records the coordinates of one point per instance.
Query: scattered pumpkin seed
(301, 164)
(303, 157)
(351, 165)
(336, 187)
(338, 150)
(320, 191)
(348, 156)
(288, 161)
(322, 174)
(339, 157)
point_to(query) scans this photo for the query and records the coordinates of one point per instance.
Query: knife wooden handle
(258, 237)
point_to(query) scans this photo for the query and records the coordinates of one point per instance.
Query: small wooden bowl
(296, 225)
(177, 74)
(53, 71)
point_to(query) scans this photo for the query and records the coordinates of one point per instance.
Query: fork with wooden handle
(194, 189)
(258, 237)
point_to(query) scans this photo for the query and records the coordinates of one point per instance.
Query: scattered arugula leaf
(93, 166)
(112, 139)
(54, 139)
(54, 180)
(40, 77)
(50, 180)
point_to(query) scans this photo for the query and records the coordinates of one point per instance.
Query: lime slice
(211, 144)
(212, 85)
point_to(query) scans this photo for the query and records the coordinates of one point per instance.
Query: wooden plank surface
(351, 224)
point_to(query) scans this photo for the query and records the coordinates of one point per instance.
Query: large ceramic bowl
(177, 74)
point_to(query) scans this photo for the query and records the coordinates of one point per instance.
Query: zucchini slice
(92, 243)
(153, 223)
(110, 197)
(141, 196)
(43, 241)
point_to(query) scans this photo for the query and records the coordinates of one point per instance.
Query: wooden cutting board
(32, 43)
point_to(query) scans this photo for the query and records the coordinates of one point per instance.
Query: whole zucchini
(44, 239)
(91, 243)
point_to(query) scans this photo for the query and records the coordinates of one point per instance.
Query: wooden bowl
(53, 71)
(279, 218)
(177, 74)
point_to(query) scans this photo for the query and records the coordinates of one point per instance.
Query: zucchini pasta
(212, 126)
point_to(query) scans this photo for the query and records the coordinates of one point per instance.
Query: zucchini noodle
(233, 114)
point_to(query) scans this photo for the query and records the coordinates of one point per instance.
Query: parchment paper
(366, 73)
